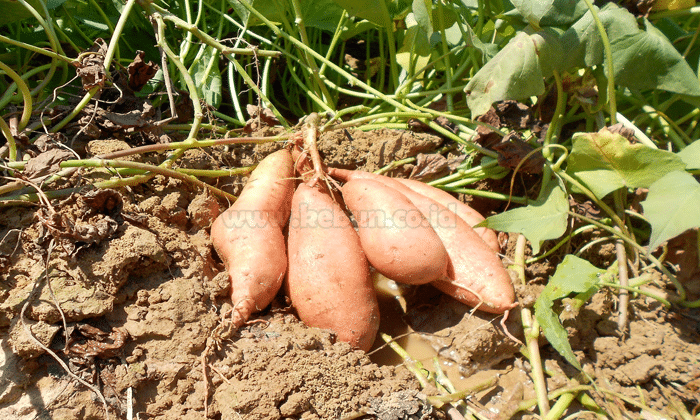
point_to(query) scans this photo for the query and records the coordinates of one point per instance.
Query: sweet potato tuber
(396, 238)
(328, 280)
(468, 214)
(475, 274)
(248, 236)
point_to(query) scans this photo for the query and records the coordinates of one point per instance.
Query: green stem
(26, 95)
(389, 27)
(408, 362)
(360, 83)
(313, 67)
(531, 330)
(36, 49)
(77, 110)
(489, 194)
(560, 244)
(679, 287)
(637, 290)
(554, 126)
(608, 61)
(191, 87)
(607, 209)
(102, 163)
(459, 174)
(5, 129)
(118, 29)
(446, 54)
(560, 406)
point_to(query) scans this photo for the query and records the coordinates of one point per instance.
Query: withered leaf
(585, 208)
(429, 166)
(106, 201)
(140, 72)
(134, 118)
(91, 69)
(46, 163)
(485, 136)
(89, 341)
(620, 129)
(514, 114)
(512, 150)
(259, 118)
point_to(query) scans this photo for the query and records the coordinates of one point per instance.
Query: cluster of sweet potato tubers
(408, 231)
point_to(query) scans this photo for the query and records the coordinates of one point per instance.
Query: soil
(140, 290)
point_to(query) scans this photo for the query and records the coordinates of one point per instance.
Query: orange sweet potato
(468, 214)
(475, 274)
(248, 236)
(328, 280)
(396, 237)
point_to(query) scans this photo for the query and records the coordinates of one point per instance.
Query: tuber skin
(249, 239)
(466, 213)
(475, 275)
(328, 281)
(396, 238)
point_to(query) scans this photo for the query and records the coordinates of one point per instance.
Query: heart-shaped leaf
(605, 162)
(672, 207)
(544, 219)
(573, 275)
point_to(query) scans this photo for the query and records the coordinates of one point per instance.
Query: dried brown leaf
(140, 72)
(46, 163)
(513, 150)
(429, 166)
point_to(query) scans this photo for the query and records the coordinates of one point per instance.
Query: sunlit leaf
(669, 71)
(582, 42)
(544, 219)
(207, 77)
(632, 49)
(672, 206)
(605, 162)
(415, 51)
(573, 275)
(691, 155)
(550, 12)
(516, 72)
(268, 8)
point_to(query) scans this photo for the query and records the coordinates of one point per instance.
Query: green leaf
(268, 8)
(365, 9)
(544, 219)
(573, 275)
(582, 42)
(516, 72)
(691, 155)
(550, 12)
(321, 14)
(207, 77)
(422, 10)
(672, 207)
(605, 162)
(415, 50)
(632, 49)
(669, 71)
(13, 11)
